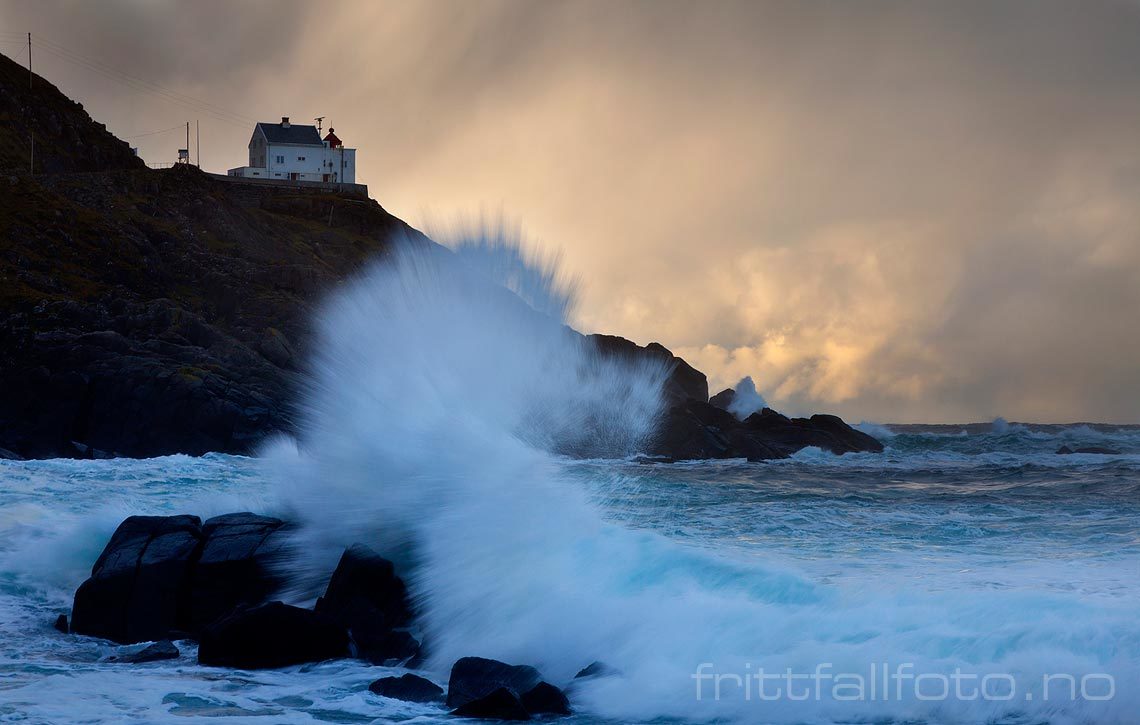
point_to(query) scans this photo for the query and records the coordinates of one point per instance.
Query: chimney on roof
(284, 122)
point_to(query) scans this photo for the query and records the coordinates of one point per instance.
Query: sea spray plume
(500, 251)
(747, 400)
(437, 407)
(442, 383)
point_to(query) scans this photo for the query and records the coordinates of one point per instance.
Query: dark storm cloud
(893, 210)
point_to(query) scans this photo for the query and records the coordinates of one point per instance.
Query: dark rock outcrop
(164, 650)
(473, 678)
(234, 567)
(165, 576)
(696, 430)
(365, 595)
(61, 624)
(138, 583)
(500, 704)
(270, 636)
(828, 432)
(545, 699)
(409, 687)
(723, 399)
(684, 382)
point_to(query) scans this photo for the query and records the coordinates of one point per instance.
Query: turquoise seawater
(982, 563)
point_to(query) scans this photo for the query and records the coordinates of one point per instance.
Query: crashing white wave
(445, 386)
(747, 399)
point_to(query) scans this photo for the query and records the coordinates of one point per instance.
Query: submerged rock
(137, 584)
(409, 687)
(61, 624)
(164, 650)
(270, 636)
(499, 704)
(473, 678)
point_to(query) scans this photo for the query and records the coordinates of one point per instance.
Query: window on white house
(280, 159)
(300, 158)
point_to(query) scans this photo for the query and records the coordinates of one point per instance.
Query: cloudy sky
(896, 211)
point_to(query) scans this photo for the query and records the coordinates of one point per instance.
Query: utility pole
(31, 124)
(198, 143)
(187, 143)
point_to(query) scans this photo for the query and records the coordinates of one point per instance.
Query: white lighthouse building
(292, 152)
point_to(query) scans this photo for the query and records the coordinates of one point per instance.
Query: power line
(143, 86)
(105, 67)
(152, 133)
(162, 96)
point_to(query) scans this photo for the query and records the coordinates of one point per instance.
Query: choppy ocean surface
(981, 563)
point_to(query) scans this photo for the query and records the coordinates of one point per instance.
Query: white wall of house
(313, 163)
(298, 162)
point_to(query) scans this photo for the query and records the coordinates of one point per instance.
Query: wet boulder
(473, 678)
(846, 439)
(499, 704)
(367, 597)
(61, 624)
(545, 699)
(409, 687)
(164, 650)
(395, 647)
(234, 567)
(136, 586)
(170, 576)
(270, 636)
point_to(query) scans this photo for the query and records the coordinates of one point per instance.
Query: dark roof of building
(296, 134)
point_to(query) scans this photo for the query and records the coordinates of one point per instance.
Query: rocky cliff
(148, 312)
(145, 312)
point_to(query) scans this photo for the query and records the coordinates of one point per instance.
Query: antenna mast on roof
(319, 119)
